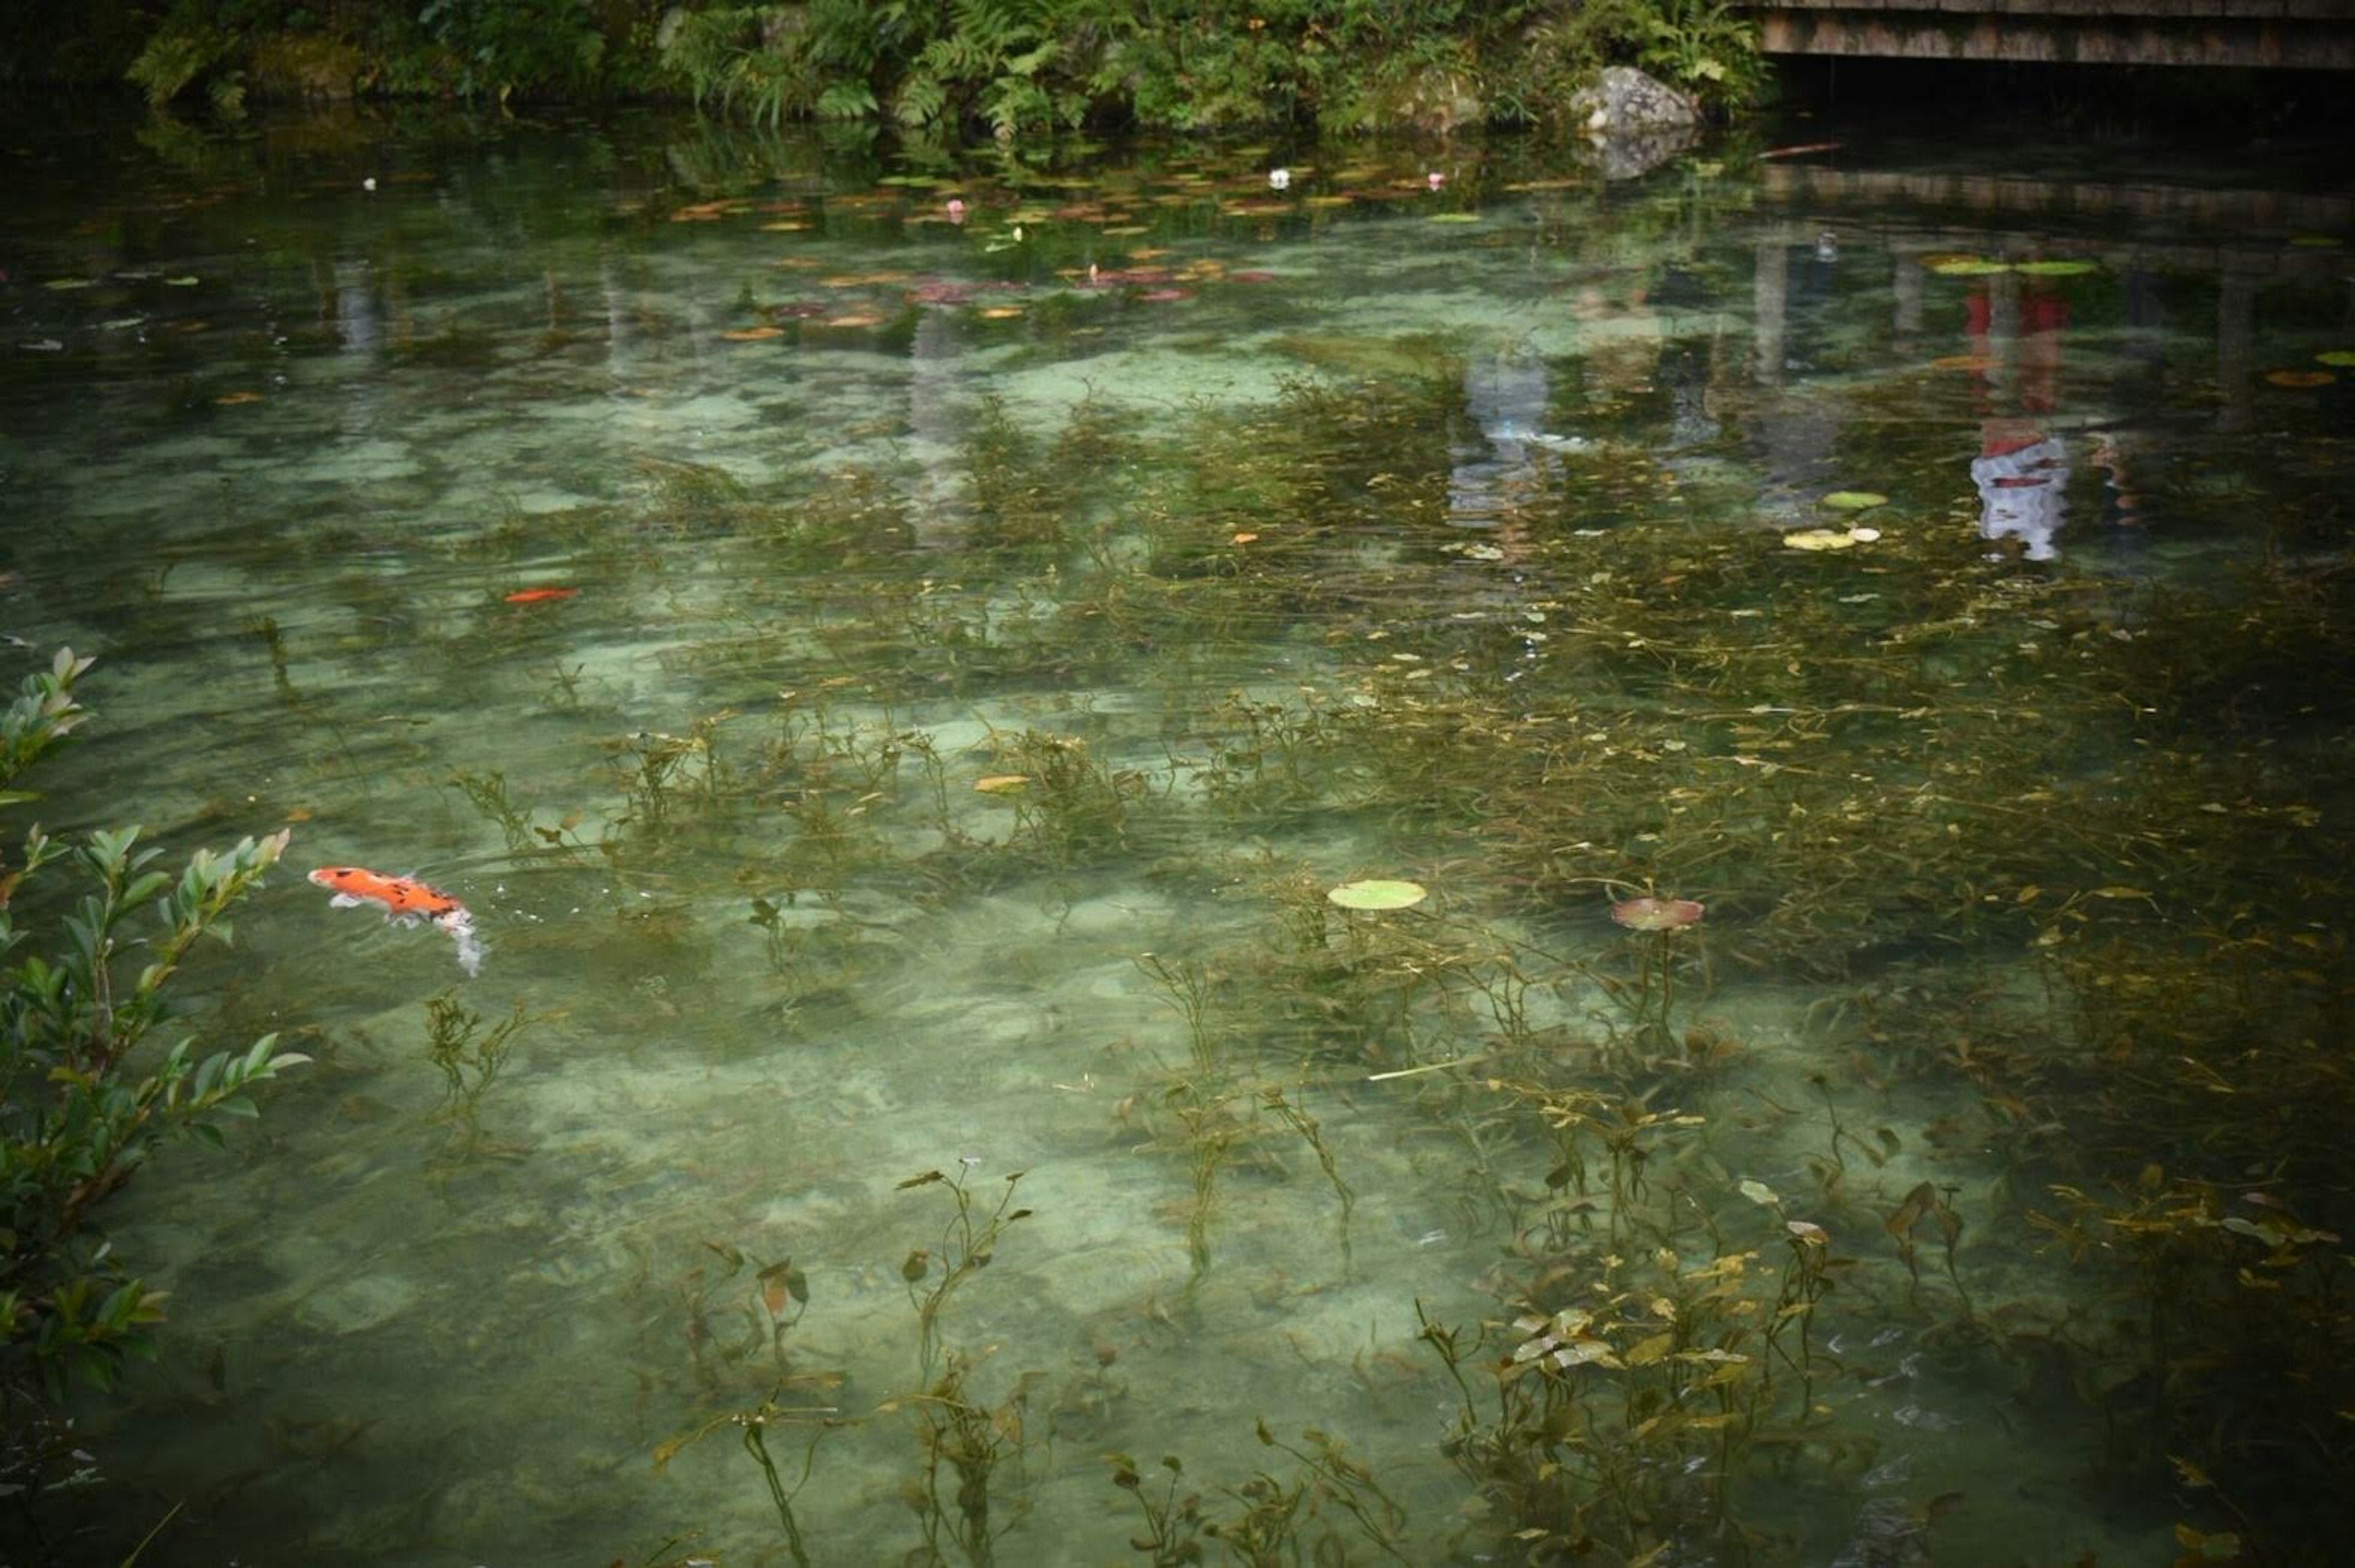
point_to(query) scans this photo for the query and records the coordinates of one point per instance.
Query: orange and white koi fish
(406, 900)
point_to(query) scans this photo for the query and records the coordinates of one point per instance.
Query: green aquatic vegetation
(1270, 1518)
(959, 1496)
(1076, 806)
(488, 794)
(1618, 1422)
(1204, 1098)
(1268, 756)
(1925, 1202)
(1271, 1097)
(470, 1059)
(754, 1428)
(967, 1242)
(2217, 1301)
(661, 774)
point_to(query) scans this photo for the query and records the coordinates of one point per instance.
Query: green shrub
(84, 1101)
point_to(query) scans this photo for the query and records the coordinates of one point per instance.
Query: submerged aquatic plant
(967, 1243)
(470, 1059)
(1654, 1000)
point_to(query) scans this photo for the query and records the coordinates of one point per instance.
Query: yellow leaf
(1643, 1352)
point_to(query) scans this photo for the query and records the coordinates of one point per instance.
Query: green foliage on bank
(1012, 68)
(93, 934)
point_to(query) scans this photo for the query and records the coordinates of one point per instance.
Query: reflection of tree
(1794, 428)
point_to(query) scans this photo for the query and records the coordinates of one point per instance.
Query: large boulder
(1624, 101)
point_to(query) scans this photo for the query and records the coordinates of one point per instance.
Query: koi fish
(540, 595)
(406, 900)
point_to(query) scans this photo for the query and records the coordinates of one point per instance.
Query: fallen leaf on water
(1002, 783)
(2300, 378)
(1855, 500)
(1456, 217)
(753, 334)
(1818, 538)
(853, 319)
(230, 400)
(1244, 539)
(1001, 312)
(1962, 362)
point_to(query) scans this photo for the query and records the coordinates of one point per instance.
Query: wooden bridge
(2298, 34)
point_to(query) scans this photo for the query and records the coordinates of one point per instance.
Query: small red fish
(540, 595)
(406, 900)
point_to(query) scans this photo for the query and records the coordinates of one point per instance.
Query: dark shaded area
(2103, 105)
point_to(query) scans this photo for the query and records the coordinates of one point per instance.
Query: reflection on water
(893, 658)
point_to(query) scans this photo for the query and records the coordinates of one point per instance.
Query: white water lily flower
(1279, 179)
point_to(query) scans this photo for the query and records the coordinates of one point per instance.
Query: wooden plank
(1897, 33)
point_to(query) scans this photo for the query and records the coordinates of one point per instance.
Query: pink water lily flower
(1658, 914)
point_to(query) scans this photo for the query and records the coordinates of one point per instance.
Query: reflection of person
(1493, 473)
(2023, 468)
(2021, 473)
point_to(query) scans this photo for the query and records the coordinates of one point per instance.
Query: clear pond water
(896, 655)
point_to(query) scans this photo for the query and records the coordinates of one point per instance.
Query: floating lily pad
(2057, 269)
(1456, 217)
(2339, 357)
(1818, 538)
(1759, 1193)
(1658, 914)
(1377, 894)
(2317, 241)
(2300, 378)
(1964, 266)
(1855, 500)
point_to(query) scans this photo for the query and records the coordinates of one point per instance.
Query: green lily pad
(1456, 217)
(1816, 539)
(2057, 269)
(2342, 358)
(1377, 894)
(1855, 500)
(1964, 266)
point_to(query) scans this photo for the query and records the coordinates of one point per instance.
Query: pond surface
(896, 658)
